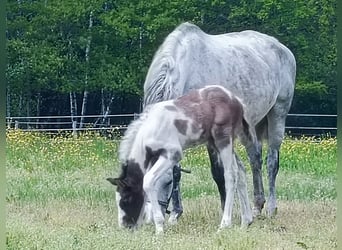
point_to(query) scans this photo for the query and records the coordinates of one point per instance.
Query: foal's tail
(249, 134)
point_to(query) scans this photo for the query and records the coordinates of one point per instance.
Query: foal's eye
(126, 200)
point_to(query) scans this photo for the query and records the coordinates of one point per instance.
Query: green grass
(58, 198)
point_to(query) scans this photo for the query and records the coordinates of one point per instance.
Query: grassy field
(58, 198)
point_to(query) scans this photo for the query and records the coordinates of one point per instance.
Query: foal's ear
(114, 181)
(117, 182)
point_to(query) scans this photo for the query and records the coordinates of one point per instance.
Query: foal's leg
(217, 172)
(246, 211)
(165, 184)
(230, 177)
(152, 187)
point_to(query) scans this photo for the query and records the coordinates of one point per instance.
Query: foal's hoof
(256, 212)
(159, 230)
(245, 224)
(225, 224)
(173, 219)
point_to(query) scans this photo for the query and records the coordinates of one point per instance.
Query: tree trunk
(73, 111)
(8, 107)
(85, 94)
(8, 102)
(102, 102)
(20, 104)
(105, 110)
(27, 110)
(38, 109)
(84, 107)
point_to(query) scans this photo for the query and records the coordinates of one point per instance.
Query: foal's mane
(130, 135)
(163, 71)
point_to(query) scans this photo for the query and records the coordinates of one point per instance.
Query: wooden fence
(296, 124)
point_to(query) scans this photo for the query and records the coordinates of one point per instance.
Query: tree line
(91, 57)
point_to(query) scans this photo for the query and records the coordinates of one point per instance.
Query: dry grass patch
(78, 225)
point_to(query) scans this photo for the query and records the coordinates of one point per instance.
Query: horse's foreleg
(217, 172)
(246, 211)
(177, 208)
(152, 185)
(254, 154)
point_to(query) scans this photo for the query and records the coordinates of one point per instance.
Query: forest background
(88, 57)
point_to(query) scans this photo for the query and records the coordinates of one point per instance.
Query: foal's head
(129, 195)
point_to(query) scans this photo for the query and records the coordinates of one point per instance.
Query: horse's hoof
(246, 221)
(272, 212)
(256, 212)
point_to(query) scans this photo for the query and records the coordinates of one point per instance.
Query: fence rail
(295, 124)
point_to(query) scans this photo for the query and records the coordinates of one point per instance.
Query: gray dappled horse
(154, 144)
(255, 67)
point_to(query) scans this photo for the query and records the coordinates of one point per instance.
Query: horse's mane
(159, 83)
(130, 135)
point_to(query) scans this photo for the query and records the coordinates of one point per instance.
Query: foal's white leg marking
(148, 213)
(230, 177)
(152, 188)
(121, 213)
(246, 211)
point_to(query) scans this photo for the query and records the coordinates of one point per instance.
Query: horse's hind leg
(276, 129)
(254, 153)
(272, 169)
(217, 172)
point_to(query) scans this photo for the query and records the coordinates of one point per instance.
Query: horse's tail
(159, 80)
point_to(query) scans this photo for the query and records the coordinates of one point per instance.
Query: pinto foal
(153, 144)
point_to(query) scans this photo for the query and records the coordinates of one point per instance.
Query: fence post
(74, 132)
(9, 123)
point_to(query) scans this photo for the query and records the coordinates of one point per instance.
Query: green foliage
(48, 41)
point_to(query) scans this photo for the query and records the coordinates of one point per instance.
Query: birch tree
(85, 92)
